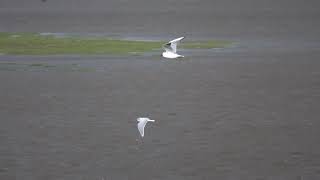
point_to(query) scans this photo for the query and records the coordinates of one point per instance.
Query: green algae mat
(50, 44)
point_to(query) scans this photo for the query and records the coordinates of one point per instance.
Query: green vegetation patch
(39, 44)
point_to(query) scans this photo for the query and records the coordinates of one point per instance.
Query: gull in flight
(142, 123)
(171, 49)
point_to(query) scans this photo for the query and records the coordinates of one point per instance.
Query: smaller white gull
(142, 123)
(171, 49)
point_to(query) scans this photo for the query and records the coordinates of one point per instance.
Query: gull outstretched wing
(167, 47)
(141, 125)
(172, 45)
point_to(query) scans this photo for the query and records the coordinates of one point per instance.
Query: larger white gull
(171, 49)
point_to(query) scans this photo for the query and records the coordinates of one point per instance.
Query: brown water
(245, 112)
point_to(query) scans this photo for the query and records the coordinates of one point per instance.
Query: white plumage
(171, 49)
(142, 123)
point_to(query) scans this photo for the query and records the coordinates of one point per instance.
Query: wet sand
(245, 112)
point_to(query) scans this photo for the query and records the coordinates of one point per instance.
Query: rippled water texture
(246, 112)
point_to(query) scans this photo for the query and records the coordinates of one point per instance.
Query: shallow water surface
(245, 112)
